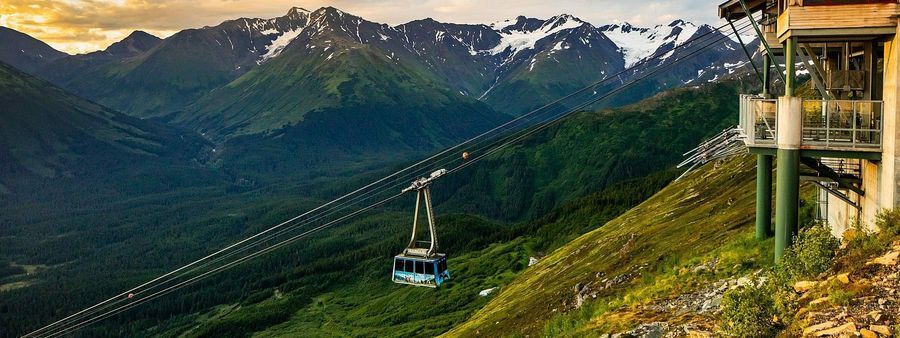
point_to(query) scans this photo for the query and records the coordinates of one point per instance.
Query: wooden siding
(872, 15)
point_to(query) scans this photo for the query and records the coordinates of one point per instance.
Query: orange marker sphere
(130, 295)
(465, 155)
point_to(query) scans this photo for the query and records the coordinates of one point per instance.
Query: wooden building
(843, 138)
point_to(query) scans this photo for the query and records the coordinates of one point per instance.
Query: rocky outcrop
(871, 310)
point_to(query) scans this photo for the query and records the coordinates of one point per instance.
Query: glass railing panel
(842, 123)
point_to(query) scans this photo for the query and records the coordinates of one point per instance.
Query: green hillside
(163, 77)
(646, 254)
(339, 75)
(354, 90)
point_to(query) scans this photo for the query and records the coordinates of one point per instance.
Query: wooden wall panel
(838, 16)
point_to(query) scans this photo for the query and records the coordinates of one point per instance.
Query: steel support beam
(826, 171)
(818, 68)
(815, 73)
(824, 153)
(839, 195)
(763, 196)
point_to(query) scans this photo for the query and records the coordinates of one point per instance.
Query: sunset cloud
(78, 26)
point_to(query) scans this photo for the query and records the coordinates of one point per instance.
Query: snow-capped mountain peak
(526, 32)
(638, 43)
(297, 12)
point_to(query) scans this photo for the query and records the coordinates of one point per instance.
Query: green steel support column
(763, 196)
(787, 183)
(790, 55)
(787, 199)
(765, 75)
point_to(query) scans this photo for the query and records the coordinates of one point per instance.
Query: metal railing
(758, 120)
(826, 124)
(855, 124)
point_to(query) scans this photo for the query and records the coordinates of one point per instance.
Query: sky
(79, 26)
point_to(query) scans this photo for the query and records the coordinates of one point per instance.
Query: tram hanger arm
(423, 182)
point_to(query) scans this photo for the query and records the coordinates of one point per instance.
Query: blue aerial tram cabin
(422, 266)
(419, 271)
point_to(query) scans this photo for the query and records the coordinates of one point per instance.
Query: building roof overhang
(732, 10)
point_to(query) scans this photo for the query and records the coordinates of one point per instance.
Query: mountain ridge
(484, 61)
(13, 50)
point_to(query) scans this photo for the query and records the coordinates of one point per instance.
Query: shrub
(813, 251)
(748, 312)
(759, 311)
(888, 223)
(865, 244)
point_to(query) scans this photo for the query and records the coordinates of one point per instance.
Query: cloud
(85, 25)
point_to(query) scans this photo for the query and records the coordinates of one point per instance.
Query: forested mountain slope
(47, 134)
(590, 151)
(356, 94)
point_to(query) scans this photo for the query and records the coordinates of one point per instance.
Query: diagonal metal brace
(838, 194)
(826, 171)
(744, 47)
(815, 70)
(762, 39)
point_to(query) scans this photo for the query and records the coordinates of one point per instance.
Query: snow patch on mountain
(278, 45)
(518, 40)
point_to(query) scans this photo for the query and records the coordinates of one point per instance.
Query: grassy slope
(708, 214)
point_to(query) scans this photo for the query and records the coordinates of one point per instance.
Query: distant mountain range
(532, 58)
(325, 80)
